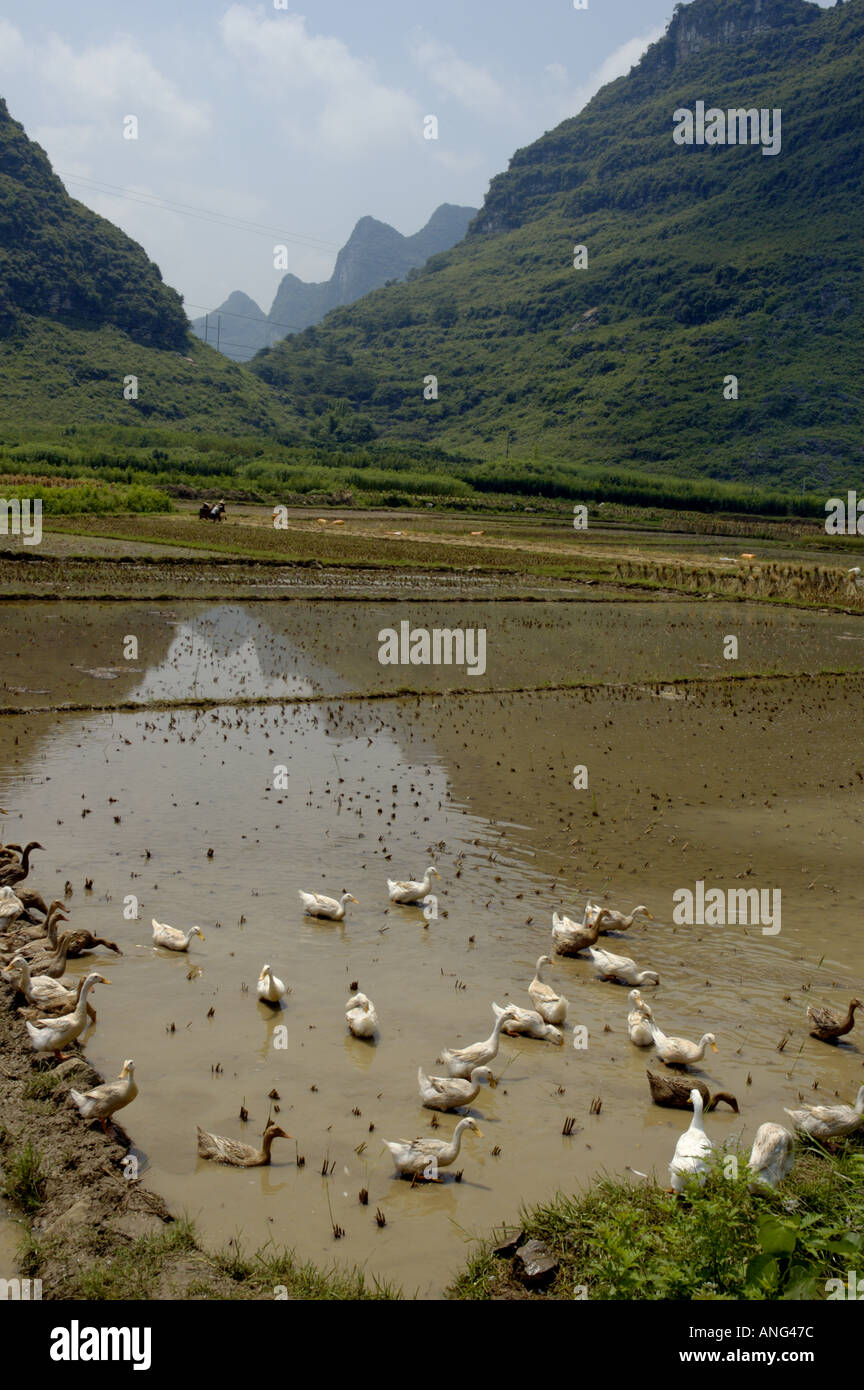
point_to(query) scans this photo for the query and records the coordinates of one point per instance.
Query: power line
(66, 321)
(264, 322)
(202, 214)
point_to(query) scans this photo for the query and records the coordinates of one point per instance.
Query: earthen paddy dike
(691, 777)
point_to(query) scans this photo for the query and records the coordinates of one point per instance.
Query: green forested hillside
(54, 376)
(59, 259)
(82, 308)
(702, 262)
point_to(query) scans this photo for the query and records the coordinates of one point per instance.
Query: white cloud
(525, 111)
(472, 86)
(11, 44)
(326, 93)
(96, 81)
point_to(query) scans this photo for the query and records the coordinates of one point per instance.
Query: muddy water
(754, 784)
(221, 651)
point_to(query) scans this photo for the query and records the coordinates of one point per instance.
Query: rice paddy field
(254, 745)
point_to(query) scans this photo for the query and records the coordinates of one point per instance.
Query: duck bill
(713, 1047)
(493, 1082)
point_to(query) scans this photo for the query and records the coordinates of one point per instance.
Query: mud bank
(136, 577)
(89, 1211)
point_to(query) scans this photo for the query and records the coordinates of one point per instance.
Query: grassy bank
(632, 1240)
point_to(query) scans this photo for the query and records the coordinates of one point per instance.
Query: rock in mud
(509, 1247)
(535, 1265)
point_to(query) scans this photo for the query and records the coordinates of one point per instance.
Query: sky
(259, 125)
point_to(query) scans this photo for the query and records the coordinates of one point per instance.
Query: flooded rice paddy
(753, 782)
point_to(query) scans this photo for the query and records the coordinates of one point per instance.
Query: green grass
(268, 1271)
(40, 1085)
(148, 1267)
(622, 1240)
(134, 1271)
(24, 1178)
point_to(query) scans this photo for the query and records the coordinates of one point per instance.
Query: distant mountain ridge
(373, 254)
(715, 323)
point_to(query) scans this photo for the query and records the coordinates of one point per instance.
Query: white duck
(171, 937)
(410, 890)
(11, 907)
(772, 1156)
(104, 1101)
(621, 968)
(639, 1020)
(551, 1007)
(616, 921)
(690, 1159)
(361, 1016)
(461, 1061)
(317, 905)
(423, 1157)
(829, 1121)
(527, 1023)
(680, 1052)
(53, 1034)
(270, 989)
(41, 990)
(446, 1092)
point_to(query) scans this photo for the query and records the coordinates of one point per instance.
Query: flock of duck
(34, 952)
(772, 1155)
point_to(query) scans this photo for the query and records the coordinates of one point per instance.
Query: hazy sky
(297, 120)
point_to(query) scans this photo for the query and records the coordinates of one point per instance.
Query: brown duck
(829, 1026)
(14, 871)
(52, 963)
(33, 940)
(81, 941)
(675, 1091)
(238, 1155)
(33, 902)
(570, 938)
